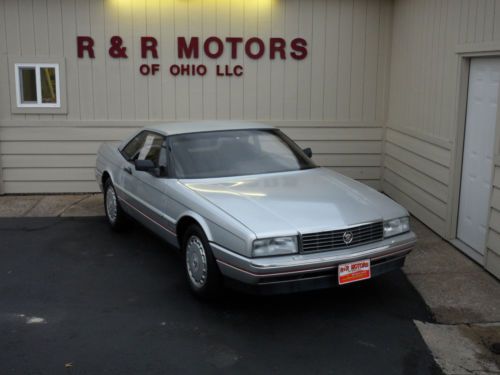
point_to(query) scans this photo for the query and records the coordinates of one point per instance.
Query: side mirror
(144, 165)
(308, 152)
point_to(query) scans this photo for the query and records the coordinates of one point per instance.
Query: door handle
(128, 170)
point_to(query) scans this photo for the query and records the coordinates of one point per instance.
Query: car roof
(172, 128)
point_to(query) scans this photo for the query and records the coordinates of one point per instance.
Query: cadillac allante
(248, 207)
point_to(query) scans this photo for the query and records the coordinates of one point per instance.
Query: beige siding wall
(493, 243)
(334, 101)
(423, 142)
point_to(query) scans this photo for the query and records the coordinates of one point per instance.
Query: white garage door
(478, 152)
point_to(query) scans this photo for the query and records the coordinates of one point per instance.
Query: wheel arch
(191, 218)
(105, 177)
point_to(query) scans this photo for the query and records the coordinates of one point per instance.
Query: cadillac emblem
(347, 237)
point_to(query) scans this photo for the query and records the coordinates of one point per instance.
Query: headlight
(274, 246)
(396, 226)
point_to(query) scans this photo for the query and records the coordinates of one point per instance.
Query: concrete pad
(54, 205)
(92, 205)
(460, 297)
(459, 349)
(438, 257)
(425, 235)
(18, 205)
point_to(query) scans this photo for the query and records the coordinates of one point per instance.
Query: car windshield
(235, 153)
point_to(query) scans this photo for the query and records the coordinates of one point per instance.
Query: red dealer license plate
(355, 271)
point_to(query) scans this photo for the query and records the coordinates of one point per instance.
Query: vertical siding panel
(4, 70)
(277, 66)
(429, 62)
(464, 13)
(438, 119)
(250, 65)
(370, 72)
(26, 27)
(99, 63)
(451, 69)
(332, 35)
(480, 21)
(154, 81)
(196, 82)
(421, 59)
(488, 21)
(69, 45)
(418, 66)
(317, 45)
(181, 83)
(141, 89)
(209, 80)
(55, 37)
(223, 87)
(112, 65)
(236, 83)
(304, 66)
(345, 54)
(471, 21)
(358, 60)
(264, 65)
(13, 41)
(55, 30)
(85, 75)
(120, 73)
(41, 27)
(12, 36)
(167, 53)
(384, 62)
(496, 22)
(27, 32)
(399, 41)
(291, 65)
(3, 29)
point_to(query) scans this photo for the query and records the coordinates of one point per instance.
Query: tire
(202, 273)
(115, 215)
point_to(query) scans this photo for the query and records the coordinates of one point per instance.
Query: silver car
(248, 207)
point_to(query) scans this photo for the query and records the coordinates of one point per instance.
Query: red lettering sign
(260, 48)
(191, 50)
(85, 43)
(299, 49)
(213, 47)
(148, 43)
(219, 45)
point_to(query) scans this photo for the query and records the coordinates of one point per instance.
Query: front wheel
(114, 212)
(202, 272)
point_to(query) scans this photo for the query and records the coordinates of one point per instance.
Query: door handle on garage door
(128, 170)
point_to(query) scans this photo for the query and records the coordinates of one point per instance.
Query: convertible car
(249, 208)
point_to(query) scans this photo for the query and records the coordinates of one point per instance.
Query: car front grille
(339, 239)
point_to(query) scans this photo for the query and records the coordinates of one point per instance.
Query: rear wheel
(202, 272)
(114, 212)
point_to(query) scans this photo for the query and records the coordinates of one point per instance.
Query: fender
(200, 219)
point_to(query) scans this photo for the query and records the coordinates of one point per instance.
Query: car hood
(304, 201)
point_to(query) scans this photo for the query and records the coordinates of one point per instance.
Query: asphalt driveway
(77, 298)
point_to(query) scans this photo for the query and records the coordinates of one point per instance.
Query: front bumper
(301, 272)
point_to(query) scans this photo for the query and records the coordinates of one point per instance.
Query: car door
(124, 178)
(147, 189)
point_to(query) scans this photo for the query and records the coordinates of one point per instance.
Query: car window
(151, 148)
(235, 153)
(131, 150)
(144, 146)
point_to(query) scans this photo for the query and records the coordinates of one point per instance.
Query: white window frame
(38, 83)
